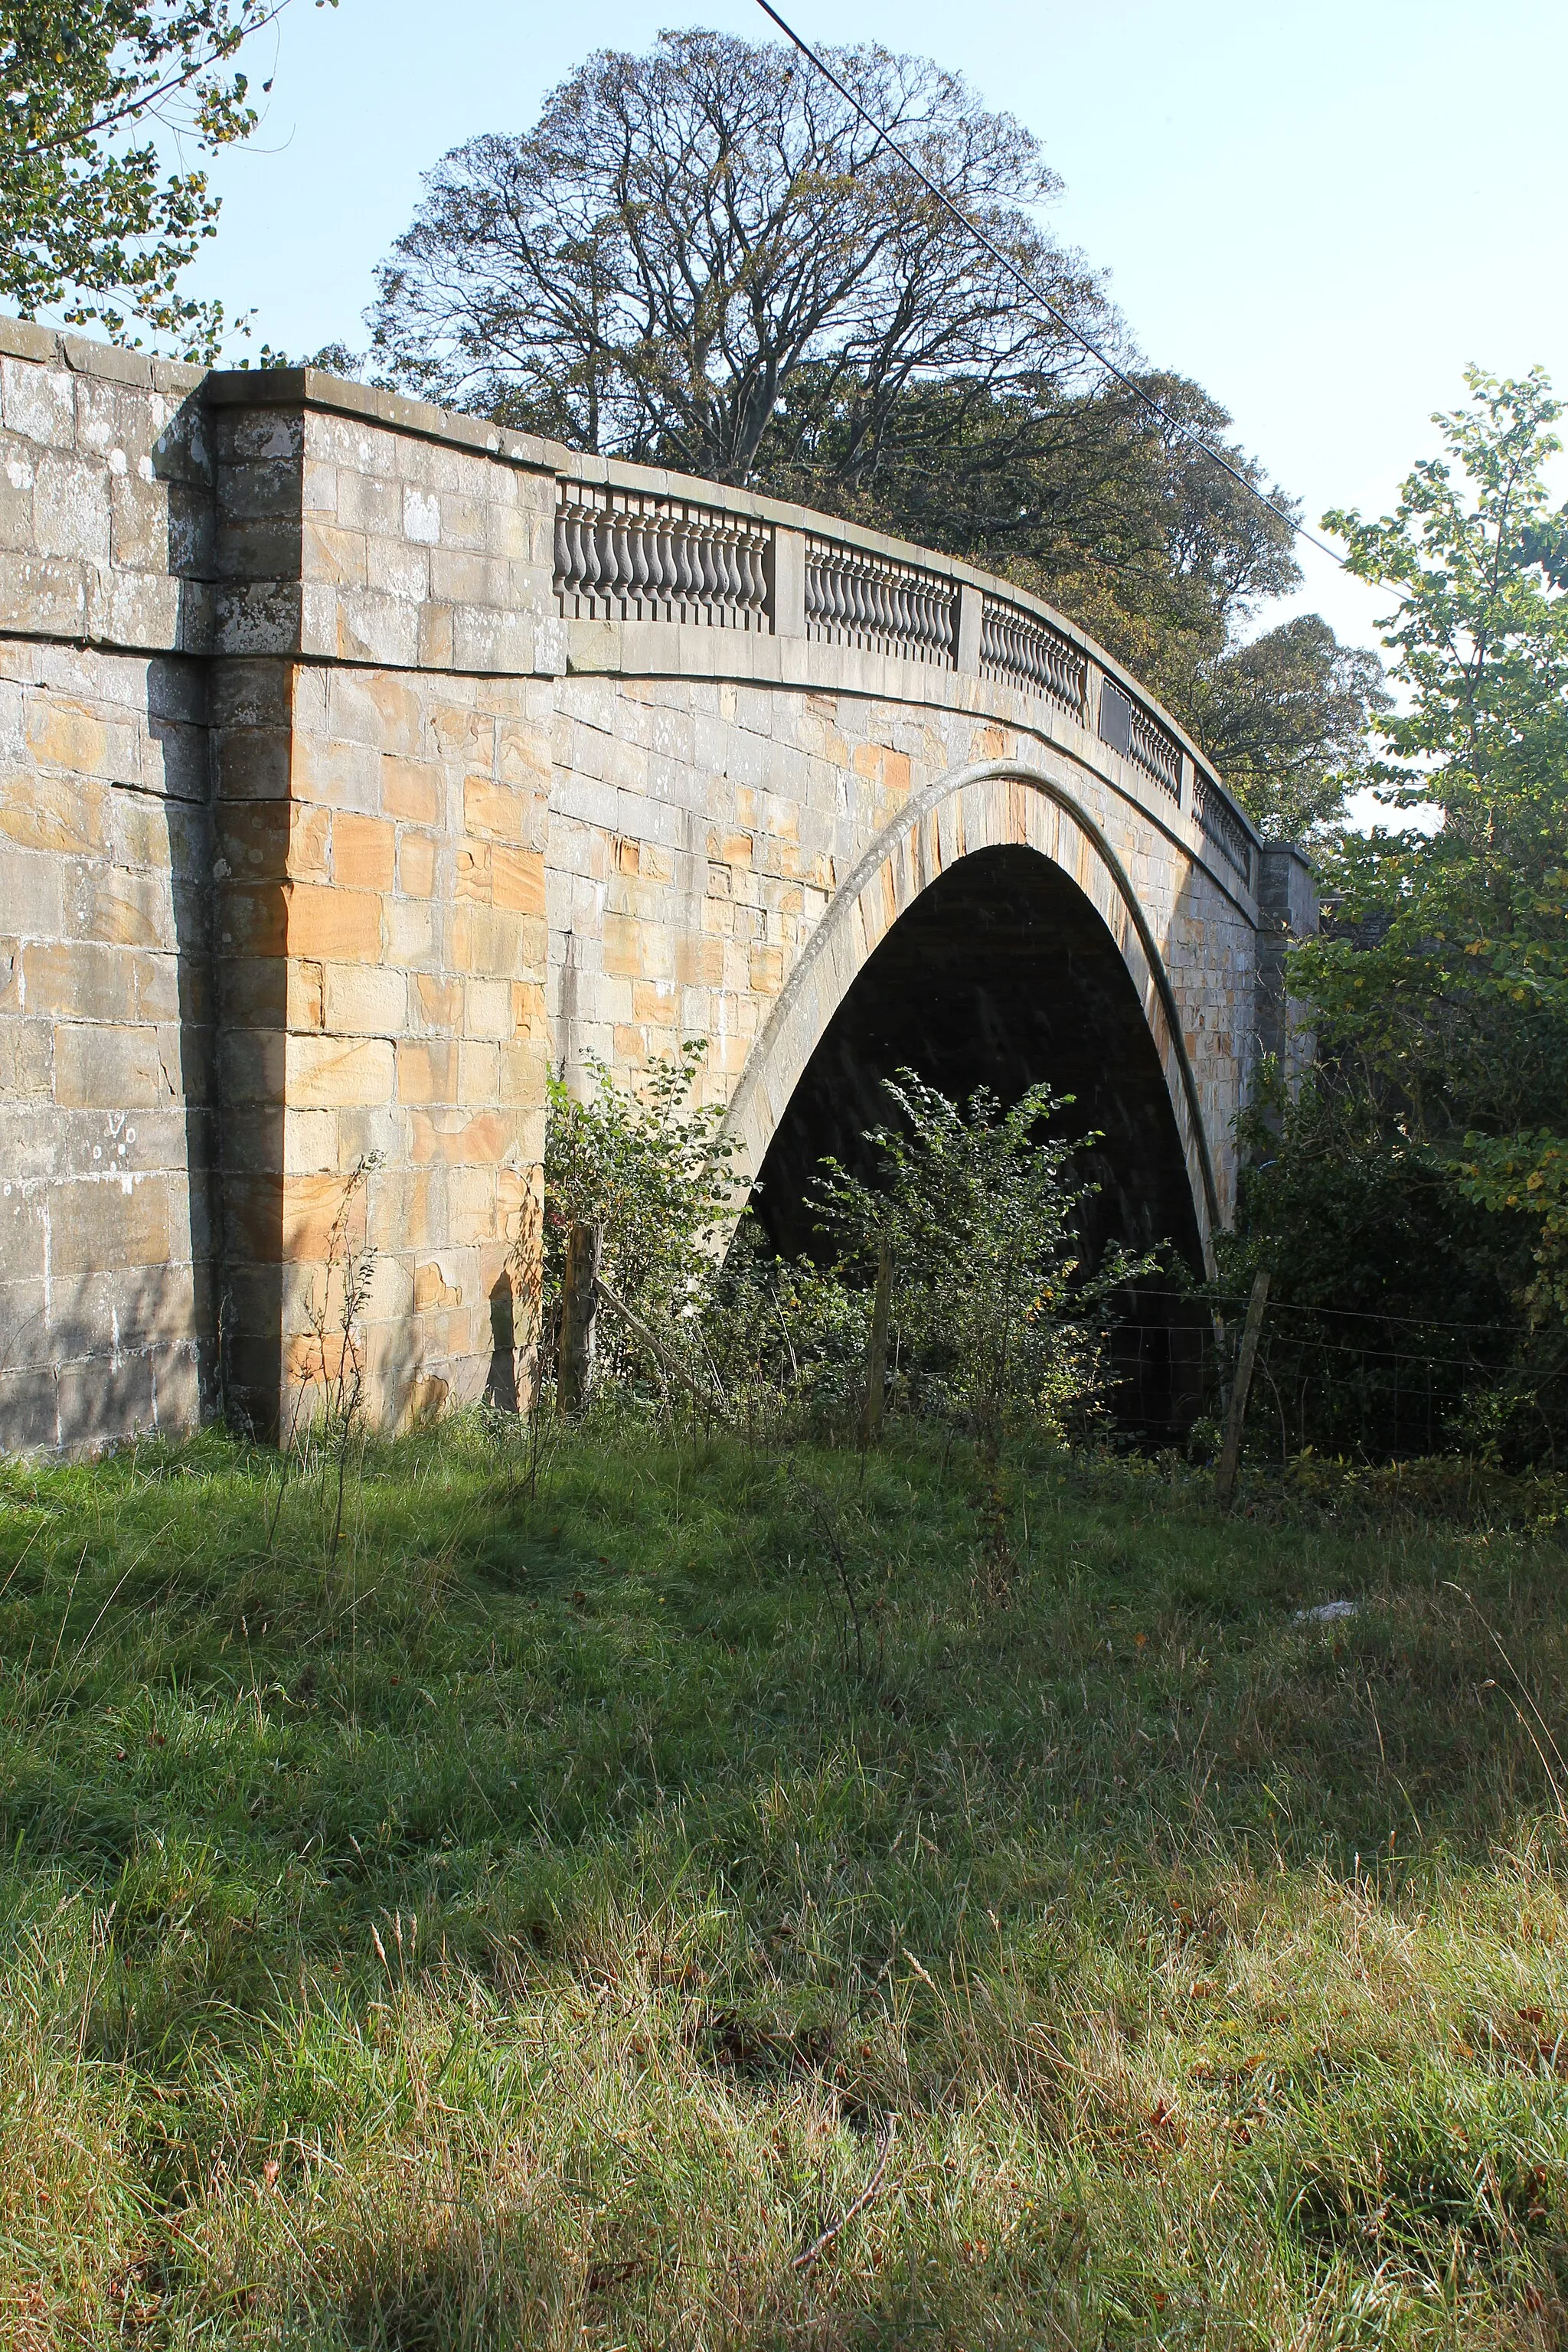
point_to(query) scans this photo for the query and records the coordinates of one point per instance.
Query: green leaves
(993, 1314)
(1448, 975)
(652, 1170)
(88, 219)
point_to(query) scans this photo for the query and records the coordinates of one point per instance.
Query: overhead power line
(1039, 294)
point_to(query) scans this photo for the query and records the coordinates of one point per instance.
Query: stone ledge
(20, 339)
(313, 388)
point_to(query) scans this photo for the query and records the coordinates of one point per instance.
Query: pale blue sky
(1321, 211)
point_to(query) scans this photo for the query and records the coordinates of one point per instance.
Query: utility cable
(1039, 294)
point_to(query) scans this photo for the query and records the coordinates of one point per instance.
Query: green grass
(534, 1926)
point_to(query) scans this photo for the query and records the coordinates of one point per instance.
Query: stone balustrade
(625, 553)
(622, 557)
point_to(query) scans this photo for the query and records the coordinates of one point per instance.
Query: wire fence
(1361, 1383)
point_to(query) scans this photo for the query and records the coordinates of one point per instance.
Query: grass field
(735, 1898)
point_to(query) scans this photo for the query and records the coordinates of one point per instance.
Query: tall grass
(542, 1922)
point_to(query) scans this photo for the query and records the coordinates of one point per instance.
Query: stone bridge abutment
(359, 762)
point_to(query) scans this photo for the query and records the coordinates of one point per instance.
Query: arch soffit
(988, 804)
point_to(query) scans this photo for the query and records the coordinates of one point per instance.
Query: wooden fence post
(579, 1298)
(877, 1349)
(1230, 1458)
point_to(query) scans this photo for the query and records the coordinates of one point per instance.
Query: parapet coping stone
(24, 339)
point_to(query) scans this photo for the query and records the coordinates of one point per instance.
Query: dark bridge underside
(1002, 974)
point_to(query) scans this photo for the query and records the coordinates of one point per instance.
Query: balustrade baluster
(664, 561)
(576, 567)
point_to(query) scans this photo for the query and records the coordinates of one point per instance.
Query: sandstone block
(111, 1067)
(39, 402)
(486, 1008)
(432, 1289)
(365, 1000)
(81, 982)
(467, 1145)
(26, 1060)
(417, 864)
(488, 939)
(30, 1408)
(124, 908)
(31, 883)
(110, 1223)
(371, 626)
(493, 811)
(426, 1070)
(306, 1000)
(364, 852)
(330, 1073)
(103, 1401)
(337, 558)
(472, 876)
(478, 1074)
(327, 923)
(437, 1000)
(411, 789)
(413, 928)
(516, 879)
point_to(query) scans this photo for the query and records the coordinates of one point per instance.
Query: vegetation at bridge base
(532, 1923)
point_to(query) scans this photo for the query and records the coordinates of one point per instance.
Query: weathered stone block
(411, 789)
(331, 1073)
(107, 1223)
(363, 853)
(326, 922)
(38, 404)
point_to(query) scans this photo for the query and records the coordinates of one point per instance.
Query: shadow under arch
(991, 937)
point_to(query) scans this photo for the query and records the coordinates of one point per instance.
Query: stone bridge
(359, 762)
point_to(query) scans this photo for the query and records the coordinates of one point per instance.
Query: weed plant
(702, 1895)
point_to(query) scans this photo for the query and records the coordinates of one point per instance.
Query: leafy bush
(994, 1324)
(652, 1171)
(995, 1320)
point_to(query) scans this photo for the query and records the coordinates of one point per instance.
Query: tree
(648, 270)
(1448, 979)
(1284, 716)
(1441, 993)
(994, 1318)
(704, 258)
(1102, 502)
(88, 220)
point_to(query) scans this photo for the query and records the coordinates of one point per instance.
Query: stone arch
(985, 806)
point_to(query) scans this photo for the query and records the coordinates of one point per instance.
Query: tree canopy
(90, 223)
(703, 257)
(1427, 1165)
(648, 270)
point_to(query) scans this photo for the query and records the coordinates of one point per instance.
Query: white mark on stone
(422, 518)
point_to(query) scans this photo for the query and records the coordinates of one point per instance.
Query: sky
(1321, 212)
